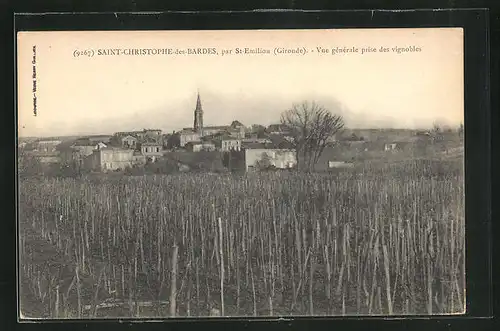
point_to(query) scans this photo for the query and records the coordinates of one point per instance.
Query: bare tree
(309, 126)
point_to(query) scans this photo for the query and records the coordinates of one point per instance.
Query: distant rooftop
(236, 123)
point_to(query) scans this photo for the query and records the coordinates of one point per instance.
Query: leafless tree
(310, 125)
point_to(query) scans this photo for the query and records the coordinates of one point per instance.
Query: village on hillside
(230, 147)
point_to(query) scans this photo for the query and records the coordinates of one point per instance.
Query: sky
(102, 94)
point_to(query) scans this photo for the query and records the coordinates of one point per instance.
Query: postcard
(240, 173)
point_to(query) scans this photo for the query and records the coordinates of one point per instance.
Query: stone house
(152, 150)
(113, 158)
(198, 146)
(129, 141)
(226, 144)
(181, 138)
(78, 150)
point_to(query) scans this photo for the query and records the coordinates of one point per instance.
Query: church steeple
(198, 116)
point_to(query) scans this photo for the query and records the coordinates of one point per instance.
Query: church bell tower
(198, 116)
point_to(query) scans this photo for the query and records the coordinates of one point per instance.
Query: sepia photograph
(240, 173)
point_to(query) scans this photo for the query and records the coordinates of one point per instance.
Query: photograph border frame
(477, 122)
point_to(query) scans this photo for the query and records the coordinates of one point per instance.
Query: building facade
(151, 151)
(78, 151)
(228, 144)
(112, 159)
(129, 141)
(185, 136)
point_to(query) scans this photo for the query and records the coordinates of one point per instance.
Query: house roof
(236, 123)
(280, 141)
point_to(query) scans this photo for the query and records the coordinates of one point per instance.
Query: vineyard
(385, 240)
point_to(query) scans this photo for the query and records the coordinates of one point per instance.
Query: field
(383, 239)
